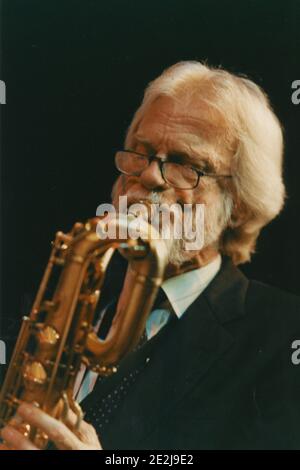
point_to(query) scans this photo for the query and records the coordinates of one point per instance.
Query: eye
(140, 148)
(176, 158)
(203, 166)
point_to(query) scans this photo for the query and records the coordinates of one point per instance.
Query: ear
(240, 214)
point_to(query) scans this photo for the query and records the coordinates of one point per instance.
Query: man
(217, 369)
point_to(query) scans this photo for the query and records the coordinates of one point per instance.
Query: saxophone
(57, 336)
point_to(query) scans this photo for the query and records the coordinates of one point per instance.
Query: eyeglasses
(177, 175)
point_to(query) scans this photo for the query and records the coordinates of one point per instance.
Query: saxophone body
(57, 336)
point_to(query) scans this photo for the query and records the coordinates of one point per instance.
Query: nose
(151, 178)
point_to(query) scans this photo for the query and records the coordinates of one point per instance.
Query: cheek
(116, 190)
(186, 196)
(193, 196)
(122, 185)
(208, 194)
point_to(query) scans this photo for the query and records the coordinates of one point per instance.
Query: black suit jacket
(221, 377)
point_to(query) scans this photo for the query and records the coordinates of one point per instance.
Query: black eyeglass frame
(151, 158)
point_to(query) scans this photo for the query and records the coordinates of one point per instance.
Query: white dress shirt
(181, 292)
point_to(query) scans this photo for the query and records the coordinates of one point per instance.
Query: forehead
(168, 114)
(182, 125)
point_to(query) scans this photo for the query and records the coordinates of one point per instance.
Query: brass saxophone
(58, 335)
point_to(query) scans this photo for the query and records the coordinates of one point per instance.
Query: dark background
(75, 72)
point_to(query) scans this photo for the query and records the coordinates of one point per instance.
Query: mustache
(152, 197)
(140, 195)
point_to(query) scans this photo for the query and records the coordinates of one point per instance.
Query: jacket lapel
(177, 357)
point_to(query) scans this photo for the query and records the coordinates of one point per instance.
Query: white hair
(251, 131)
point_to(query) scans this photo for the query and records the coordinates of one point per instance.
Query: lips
(144, 201)
(148, 199)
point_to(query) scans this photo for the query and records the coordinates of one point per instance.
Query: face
(184, 132)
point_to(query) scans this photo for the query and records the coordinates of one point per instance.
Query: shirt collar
(183, 289)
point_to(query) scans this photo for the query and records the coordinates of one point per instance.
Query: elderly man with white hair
(216, 369)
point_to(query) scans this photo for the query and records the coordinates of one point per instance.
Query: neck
(201, 259)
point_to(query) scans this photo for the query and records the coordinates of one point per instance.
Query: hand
(62, 434)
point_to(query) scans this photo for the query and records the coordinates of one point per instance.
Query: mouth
(140, 200)
(150, 199)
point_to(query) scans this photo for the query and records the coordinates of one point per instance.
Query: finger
(16, 440)
(15, 421)
(71, 421)
(58, 432)
(5, 447)
(86, 432)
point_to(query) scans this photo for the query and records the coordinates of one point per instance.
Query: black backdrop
(75, 72)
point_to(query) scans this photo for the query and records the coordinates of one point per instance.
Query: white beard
(216, 219)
